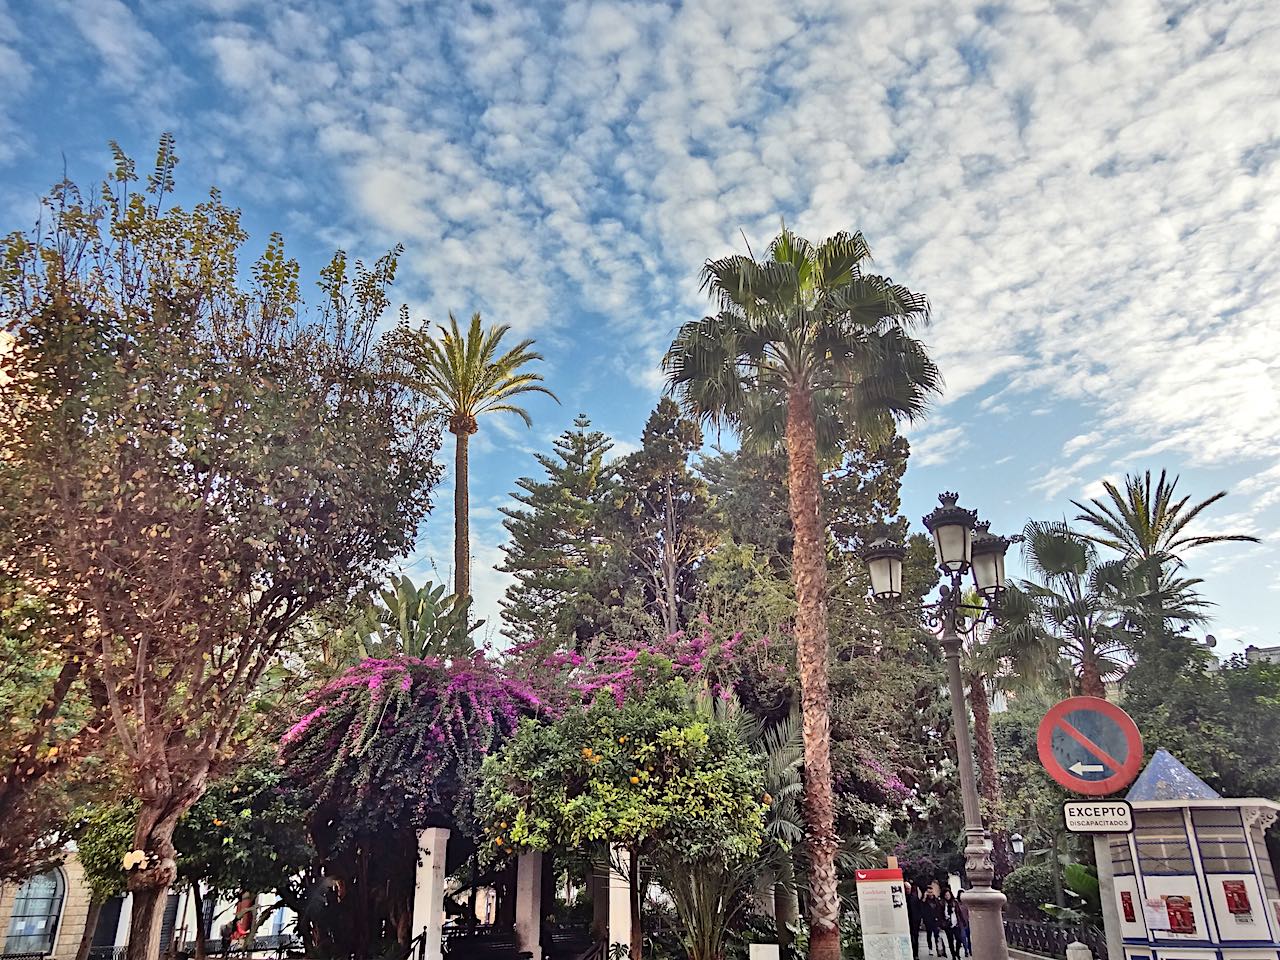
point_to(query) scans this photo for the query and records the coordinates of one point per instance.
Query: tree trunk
(150, 883)
(1091, 684)
(809, 572)
(202, 929)
(988, 771)
(786, 905)
(670, 569)
(462, 515)
(637, 935)
(145, 919)
(90, 929)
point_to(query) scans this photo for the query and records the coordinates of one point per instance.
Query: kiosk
(1193, 881)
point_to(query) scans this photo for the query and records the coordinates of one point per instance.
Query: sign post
(1093, 747)
(882, 907)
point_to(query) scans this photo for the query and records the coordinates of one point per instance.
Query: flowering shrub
(390, 741)
(622, 670)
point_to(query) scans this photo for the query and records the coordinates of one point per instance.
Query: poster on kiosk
(882, 907)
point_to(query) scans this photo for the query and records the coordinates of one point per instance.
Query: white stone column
(619, 896)
(428, 890)
(529, 904)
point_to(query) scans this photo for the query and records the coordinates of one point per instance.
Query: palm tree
(467, 377)
(803, 347)
(1150, 527)
(1068, 613)
(1146, 524)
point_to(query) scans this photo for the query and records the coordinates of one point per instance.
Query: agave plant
(414, 622)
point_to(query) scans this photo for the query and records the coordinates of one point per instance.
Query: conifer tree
(556, 551)
(662, 527)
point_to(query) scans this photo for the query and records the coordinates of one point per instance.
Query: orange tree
(648, 769)
(191, 464)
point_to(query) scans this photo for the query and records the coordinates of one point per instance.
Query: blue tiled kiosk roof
(1166, 778)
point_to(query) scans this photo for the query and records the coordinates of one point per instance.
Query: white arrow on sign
(1078, 768)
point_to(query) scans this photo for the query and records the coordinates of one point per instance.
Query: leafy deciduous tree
(192, 466)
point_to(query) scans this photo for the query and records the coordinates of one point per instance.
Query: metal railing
(1051, 939)
(272, 944)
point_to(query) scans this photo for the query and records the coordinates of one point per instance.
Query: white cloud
(938, 446)
(1043, 172)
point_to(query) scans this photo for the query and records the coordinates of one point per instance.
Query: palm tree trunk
(988, 771)
(462, 515)
(1091, 684)
(809, 572)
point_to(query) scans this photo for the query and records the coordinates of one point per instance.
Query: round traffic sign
(1090, 746)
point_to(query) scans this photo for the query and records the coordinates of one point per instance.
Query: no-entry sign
(1090, 746)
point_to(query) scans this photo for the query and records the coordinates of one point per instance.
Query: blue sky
(1089, 194)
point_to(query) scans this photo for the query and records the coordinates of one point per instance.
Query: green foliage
(557, 550)
(46, 739)
(414, 622)
(248, 832)
(1068, 612)
(659, 521)
(466, 374)
(1082, 883)
(807, 318)
(104, 834)
(1029, 886)
(651, 772)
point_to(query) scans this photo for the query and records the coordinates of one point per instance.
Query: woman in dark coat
(931, 912)
(914, 910)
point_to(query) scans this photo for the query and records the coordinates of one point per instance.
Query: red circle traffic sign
(1090, 746)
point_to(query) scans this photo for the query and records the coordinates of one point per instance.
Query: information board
(882, 906)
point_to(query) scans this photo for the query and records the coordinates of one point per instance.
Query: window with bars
(1161, 839)
(1223, 845)
(1121, 857)
(37, 908)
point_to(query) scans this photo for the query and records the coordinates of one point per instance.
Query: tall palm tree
(803, 347)
(1151, 528)
(1143, 523)
(467, 377)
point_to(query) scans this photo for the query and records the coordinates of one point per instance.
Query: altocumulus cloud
(1090, 194)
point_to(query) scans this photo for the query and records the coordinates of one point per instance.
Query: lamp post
(961, 544)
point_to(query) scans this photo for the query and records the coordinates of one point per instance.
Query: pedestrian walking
(951, 923)
(915, 909)
(931, 912)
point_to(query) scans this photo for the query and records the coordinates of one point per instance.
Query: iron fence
(1051, 939)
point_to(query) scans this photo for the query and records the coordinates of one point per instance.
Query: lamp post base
(986, 904)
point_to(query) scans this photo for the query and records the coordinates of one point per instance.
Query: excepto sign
(1090, 746)
(1098, 816)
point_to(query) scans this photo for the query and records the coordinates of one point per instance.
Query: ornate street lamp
(952, 529)
(961, 544)
(884, 563)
